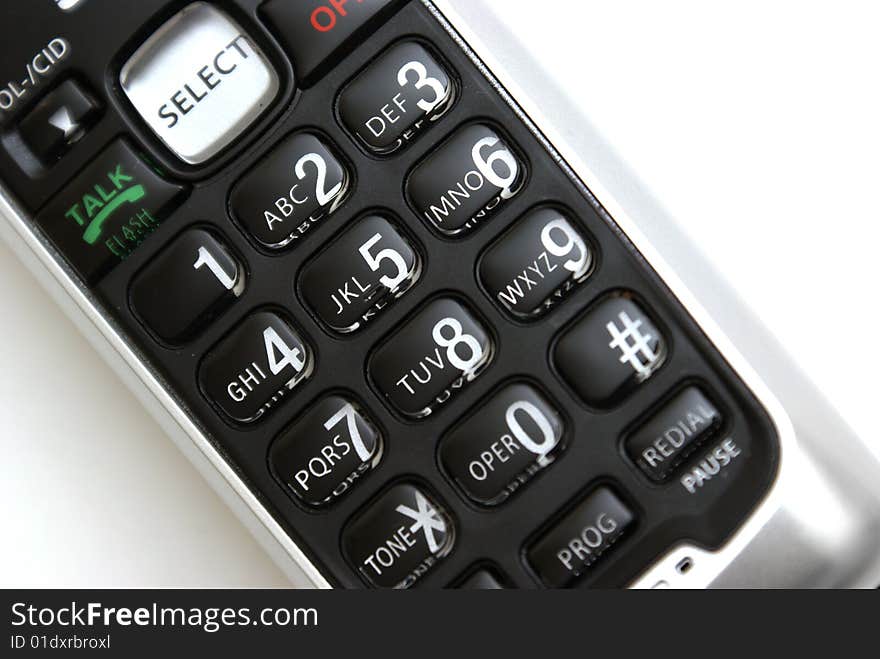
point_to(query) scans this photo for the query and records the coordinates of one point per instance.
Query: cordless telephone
(362, 282)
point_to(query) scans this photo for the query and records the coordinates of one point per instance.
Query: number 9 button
(536, 263)
(424, 364)
(502, 444)
(465, 180)
(395, 98)
(359, 275)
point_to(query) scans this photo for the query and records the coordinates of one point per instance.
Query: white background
(755, 124)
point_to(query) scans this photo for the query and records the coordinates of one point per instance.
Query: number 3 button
(186, 286)
(250, 370)
(360, 274)
(426, 363)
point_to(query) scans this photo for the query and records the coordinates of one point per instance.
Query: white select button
(199, 82)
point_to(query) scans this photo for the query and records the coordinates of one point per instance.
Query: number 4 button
(190, 282)
(249, 371)
(360, 274)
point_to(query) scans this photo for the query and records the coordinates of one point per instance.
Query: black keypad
(396, 98)
(58, 122)
(399, 537)
(356, 325)
(325, 453)
(253, 367)
(571, 547)
(107, 211)
(536, 263)
(431, 358)
(465, 180)
(360, 274)
(301, 182)
(314, 31)
(191, 282)
(610, 351)
(503, 443)
(678, 428)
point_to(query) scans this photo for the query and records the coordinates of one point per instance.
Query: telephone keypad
(425, 347)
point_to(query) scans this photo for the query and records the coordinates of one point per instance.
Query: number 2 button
(186, 286)
(251, 369)
(438, 352)
(299, 183)
(360, 274)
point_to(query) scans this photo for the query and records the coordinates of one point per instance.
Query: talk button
(107, 211)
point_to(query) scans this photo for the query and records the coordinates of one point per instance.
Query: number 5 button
(186, 286)
(360, 274)
(254, 366)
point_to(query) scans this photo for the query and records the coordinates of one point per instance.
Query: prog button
(199, 81)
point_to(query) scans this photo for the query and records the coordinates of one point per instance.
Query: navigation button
(199, 81)
(107, 211)
(58, 122)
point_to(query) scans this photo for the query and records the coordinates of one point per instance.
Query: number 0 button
(251, 369)
(360, 274)
(186, 286)
(426, 363)
(395, 98)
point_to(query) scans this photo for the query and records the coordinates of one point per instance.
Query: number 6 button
(467, 179)
(252, 368)
(186, 286)
(360, 274)
(431, 358)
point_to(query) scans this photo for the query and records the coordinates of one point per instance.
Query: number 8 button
(429, 360)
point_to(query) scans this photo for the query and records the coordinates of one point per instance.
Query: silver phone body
(818, 526)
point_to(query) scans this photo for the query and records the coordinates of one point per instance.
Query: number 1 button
(254, 366)
(191, 282)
